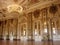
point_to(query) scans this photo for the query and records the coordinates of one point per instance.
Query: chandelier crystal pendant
(15, 7)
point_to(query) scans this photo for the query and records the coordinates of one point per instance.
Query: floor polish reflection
(18, 42)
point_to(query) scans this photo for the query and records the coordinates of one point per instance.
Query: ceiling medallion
(15, 7)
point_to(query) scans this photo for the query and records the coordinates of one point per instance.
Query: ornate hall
(29, 22)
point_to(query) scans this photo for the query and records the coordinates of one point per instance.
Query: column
(50, 29)
(0, 29)
(18, 29)
(30, 26)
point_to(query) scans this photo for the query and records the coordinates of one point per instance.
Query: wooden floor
(7, 42)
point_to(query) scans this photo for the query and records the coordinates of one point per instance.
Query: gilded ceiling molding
(33, 2)
(29, 8)
(15, 1)
(23, 1)
(40, 5)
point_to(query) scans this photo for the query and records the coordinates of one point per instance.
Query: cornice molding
(40, 6)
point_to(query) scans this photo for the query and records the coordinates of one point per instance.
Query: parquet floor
(7, 42)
